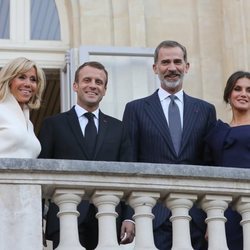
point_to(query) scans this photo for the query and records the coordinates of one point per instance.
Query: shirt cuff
(130, 221)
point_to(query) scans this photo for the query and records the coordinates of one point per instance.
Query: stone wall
(215, 33)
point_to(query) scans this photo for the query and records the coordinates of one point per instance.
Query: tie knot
(90, 116)
(172, 97)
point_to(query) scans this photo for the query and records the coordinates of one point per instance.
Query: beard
(171, 84)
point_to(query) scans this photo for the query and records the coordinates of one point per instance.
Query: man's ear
(155, 68)
(105, 89)
(75, 86)
(187, 67)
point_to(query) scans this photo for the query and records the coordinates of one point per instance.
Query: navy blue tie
(90, 134)
(174, 123)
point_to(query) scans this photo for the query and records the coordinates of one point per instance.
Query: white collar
(81, 111)
(163, 94)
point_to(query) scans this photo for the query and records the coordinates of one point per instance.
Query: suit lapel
(102, 129)
(154, 110)
(76, 129)
(191, 112)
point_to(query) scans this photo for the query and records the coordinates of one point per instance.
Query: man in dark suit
(148, 122)
(65, 136)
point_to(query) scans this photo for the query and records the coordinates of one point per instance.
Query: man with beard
(154, 139)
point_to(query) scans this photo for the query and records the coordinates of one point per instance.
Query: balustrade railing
(24, 182)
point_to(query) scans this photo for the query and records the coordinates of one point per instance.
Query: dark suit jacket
(151, 141)
(61, 138)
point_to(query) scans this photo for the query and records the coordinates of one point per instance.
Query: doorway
(51, 99)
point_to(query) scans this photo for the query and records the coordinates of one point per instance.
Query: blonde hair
(16, 67)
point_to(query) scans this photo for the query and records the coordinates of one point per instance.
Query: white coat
(17, 137)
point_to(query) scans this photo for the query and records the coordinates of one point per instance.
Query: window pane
(45, 24)
(4, 19)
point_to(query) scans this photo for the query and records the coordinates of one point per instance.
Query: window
(32, 28)
(44, 21)
(4, 19)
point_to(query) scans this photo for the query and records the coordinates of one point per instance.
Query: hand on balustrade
(127, 232)
(206, 235)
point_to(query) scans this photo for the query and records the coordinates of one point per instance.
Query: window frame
(49, 53)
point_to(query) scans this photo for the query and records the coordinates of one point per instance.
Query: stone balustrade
(23, 183)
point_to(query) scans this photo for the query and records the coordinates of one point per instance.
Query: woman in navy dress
(229, 144)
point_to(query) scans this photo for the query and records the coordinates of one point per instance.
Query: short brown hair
(169, 44)
(92, 64)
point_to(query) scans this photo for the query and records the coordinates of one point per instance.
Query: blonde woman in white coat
(22, 84)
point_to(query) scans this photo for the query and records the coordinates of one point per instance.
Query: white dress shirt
(165, 100)
(83, 120)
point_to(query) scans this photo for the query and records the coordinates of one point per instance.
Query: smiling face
(171, 68)
(240, 95)
(90, 88)
(24, 86)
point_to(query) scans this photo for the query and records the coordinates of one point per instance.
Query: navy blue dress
(230, 147)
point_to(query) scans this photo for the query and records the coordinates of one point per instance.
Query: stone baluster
(243, 207)
(67, 201)
(20, 217)
(142, 203)
(180, 204)
(106, 202)
(215, 206)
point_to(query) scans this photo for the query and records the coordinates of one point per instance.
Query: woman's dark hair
(232, 81)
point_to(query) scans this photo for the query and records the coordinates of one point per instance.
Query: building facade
(215, 33)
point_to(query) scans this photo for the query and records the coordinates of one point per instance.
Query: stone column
(67, 201)
(142, 203)
(215, 206)
(179, 204)
(106, 202)
(21, 217)
(243, 207)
